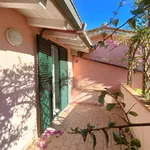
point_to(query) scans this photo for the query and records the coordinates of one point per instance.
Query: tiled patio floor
(79, 113)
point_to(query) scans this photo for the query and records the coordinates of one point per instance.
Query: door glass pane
(63, 66)
(55, 74)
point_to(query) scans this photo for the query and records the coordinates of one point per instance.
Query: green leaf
(76, 130)
(89, 126)
(84, 134)
(115, 22)
(123, 104)
(111, 124)
(132, 23)
(120, 4)
(139, 10)
(119, 93)
(147, 2)
(118, 139)
(116, 136)
(101, 98)
(101, 43)
(106, 136)
(136, 142)
(109, 107)
(93, 139)
(133, 113)
(127, 130)
(134, 38)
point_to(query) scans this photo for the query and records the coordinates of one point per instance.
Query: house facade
(37, 39)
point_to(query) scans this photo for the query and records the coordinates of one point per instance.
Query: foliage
(123, 135)
(138, 91)
(139, 44)
(139, 57)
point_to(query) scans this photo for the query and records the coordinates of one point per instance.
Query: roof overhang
(58, 16)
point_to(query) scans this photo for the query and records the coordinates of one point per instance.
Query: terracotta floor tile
(80, 114)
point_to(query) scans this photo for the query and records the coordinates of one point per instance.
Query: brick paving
(83, 109)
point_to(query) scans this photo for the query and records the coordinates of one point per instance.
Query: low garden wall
(142, 133)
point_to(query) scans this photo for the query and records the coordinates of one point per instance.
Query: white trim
(41, 4)
(47, 23)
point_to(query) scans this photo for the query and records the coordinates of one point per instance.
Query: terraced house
(37, 38)
(52, 73)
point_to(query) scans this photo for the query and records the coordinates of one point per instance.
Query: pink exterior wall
(112, 54)
(142, 133)
(137, 80)
(93, 74)
(89, 73)
(17, 84)
(18, 122)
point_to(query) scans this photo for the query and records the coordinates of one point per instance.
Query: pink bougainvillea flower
(140, 60)
(42, 143)
(110, 41)
(53, 132)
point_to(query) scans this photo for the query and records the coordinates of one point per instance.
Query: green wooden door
(52, 73)
(63, 72)
(45, 82)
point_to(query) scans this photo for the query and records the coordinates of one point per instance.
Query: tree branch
(119, 28)
(117, 127)
(122, 118)
(131, 108)
(120, 106)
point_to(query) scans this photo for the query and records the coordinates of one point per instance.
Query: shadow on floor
(83, 109)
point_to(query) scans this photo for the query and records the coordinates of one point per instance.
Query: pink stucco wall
(18, 118)
(137, 80)
(113, 54)
(17, 84)
(93, 74)
(142, 133)
(88, 73)
(96, 74)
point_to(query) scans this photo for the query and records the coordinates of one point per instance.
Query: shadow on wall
(17, 100)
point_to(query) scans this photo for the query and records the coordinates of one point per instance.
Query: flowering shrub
(45, 140)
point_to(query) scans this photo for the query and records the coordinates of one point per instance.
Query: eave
(56, 15)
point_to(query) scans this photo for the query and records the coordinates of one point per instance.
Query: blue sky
(96, 12)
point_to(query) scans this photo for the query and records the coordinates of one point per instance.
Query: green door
(52, 80)
(45, 82)
(63, 72)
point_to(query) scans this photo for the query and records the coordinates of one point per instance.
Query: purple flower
(52, 132)
(140, 60)
(42, 142)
